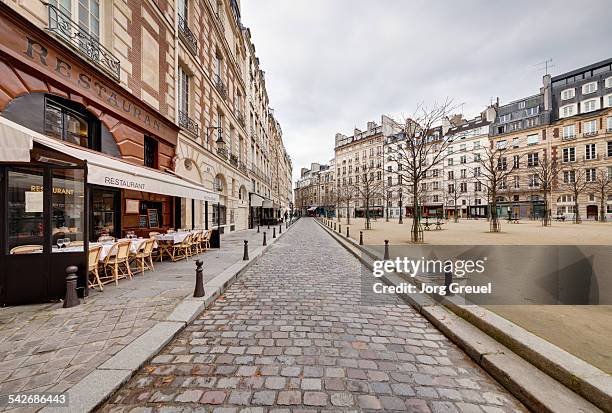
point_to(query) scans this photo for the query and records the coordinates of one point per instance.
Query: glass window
(68, 124)
(68, 206)
(25, 210)
(183, 91)
(89, 17)
(103, 213)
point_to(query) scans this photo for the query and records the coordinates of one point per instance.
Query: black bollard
(245, 257)
(386, 249)
(448, 277)
(199, 286)
(347, 231)
(71, 299)
(264, 241)
(360, 237)
(280, 229)
(268, 224)
(274, 232)
(334, 226)
(258, 228)
(340, 228)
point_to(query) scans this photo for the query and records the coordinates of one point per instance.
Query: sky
(333, 65)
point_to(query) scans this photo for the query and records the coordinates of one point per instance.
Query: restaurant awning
(101, 169)
(312, 208)
(267, 203)
(256, 200)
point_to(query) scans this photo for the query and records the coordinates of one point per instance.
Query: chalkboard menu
(142, 221)
(153, 222)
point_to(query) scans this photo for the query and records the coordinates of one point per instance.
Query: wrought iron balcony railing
(233, 160)
(86, 44)
(222, 152)
(240, 118)
(187, 35)
(219, 85)
(242, 166)
(188, 124)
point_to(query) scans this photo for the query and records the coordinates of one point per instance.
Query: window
(450, 161)
(477, 145)
(477, 171)
(463, 159)
(478, 186)
(590, 87)
(504, 118)
(476, 157)
(532, 159)
(66, 121)
(451, 188)
(516, 160)
(502, 164)
(501, 144)
(567, 110)
(569, 176)
(609, 147)
(533, 139)
(462, 147)
(591, 175)
(183, 91)
(515, 142)
(25, 207)
(589, 151)
(463, 173)
(150, 152)
(569, 154)
(436, 185)
(534, 181)
(451, 174)
(517, 182)
(568, 94)
(86, 13)
(590, 105)
(589, 128)
(609, 82)
(436, 198)
(521, 105)
(532, 111)
(569, 132)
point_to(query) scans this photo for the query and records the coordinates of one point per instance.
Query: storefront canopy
(256, 200)
(312, 208)
(101, 169)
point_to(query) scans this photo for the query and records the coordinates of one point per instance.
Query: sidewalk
(48, 348)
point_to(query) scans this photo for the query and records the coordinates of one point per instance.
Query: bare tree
(346, 193)
(423, 149)
(492, 169)
(545, 173)
(453, 194)
(574, 181)
(369, 186)
(602, 184)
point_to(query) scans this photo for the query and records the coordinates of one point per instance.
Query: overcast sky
(332, 65)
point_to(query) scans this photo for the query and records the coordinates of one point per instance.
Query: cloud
(332, 65)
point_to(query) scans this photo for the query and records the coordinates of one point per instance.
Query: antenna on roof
(545, 65)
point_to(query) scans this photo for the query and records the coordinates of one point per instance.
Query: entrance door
(105, 213)
(591, 212)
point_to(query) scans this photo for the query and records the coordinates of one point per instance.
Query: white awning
(267, 203)
(108, 171)
(15, 144)
(312, 208)
(256, 200)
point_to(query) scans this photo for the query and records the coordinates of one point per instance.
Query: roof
(582, 70)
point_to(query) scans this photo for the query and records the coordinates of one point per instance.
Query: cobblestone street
(293, 335)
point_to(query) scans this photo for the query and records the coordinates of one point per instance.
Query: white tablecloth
(135, 244)
(174, 237)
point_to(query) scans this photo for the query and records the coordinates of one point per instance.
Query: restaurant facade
(80, 157)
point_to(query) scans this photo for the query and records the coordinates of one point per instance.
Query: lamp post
(401, 208)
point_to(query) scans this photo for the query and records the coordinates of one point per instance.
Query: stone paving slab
(49, 348)
(295, 334)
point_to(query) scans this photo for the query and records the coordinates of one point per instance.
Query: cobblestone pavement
(48, 348)
(292, 335)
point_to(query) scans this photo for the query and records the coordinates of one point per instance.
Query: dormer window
(590, 105)
(568, 94)
(609, 82)
(588, 88)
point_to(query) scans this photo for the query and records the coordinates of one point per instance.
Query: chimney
(547, 92)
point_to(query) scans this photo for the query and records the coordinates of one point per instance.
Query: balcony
(568, 138)
(222, 153)
(187, 35)
(233, 159)
(84, 43)
(240, 118)
(188, 124)
(242, 167)
(220, 86)
(590, 158)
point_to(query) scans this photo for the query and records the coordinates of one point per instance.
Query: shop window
(25, 210)
(68, 122)
(150, 152)
(219, 215)
(68, 204)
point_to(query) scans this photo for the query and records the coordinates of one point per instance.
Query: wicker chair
(206, 240)
(93, 258)
(26, 249)
(144, 256)
(118, 260)
(182, 249)
(196, 243)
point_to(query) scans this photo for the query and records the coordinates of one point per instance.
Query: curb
(99, 385)
(541, 375)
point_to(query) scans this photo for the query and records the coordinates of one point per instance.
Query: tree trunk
(577, 219)
(416, 219)
(494, 225)
(602, 205)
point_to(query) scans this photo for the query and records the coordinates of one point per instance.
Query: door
(591, 212)
(105, 213)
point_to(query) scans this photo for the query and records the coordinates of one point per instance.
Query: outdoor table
(439, 225)
(135, 244)
(166, 241)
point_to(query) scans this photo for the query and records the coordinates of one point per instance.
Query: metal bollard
(258, 228)
(280, 229)
(334, 226)
(268, 224)
(360, 237)
(274, 232)
(264, 241)
(245, 257)
(71, 299)
(347, 231)
(448, 278)
(386, 249)
(199, 286)
(340, 229)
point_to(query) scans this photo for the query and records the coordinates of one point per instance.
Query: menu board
(153, 222)
(142, 221)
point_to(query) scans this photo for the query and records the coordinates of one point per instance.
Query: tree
(369, 186)
(545, 174)
(423, 149)
(345, 195)
(492, 170)
(574, 181)
(602, 184)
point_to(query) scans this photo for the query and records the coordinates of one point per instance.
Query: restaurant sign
(26, 46)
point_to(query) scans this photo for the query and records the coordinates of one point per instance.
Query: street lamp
(400, 207)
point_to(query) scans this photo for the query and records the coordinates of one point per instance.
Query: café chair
(93, 258)
(118, 261)
(144, 255)
(206, 240)
(25, 249)
(196, 243)
(182, 249)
